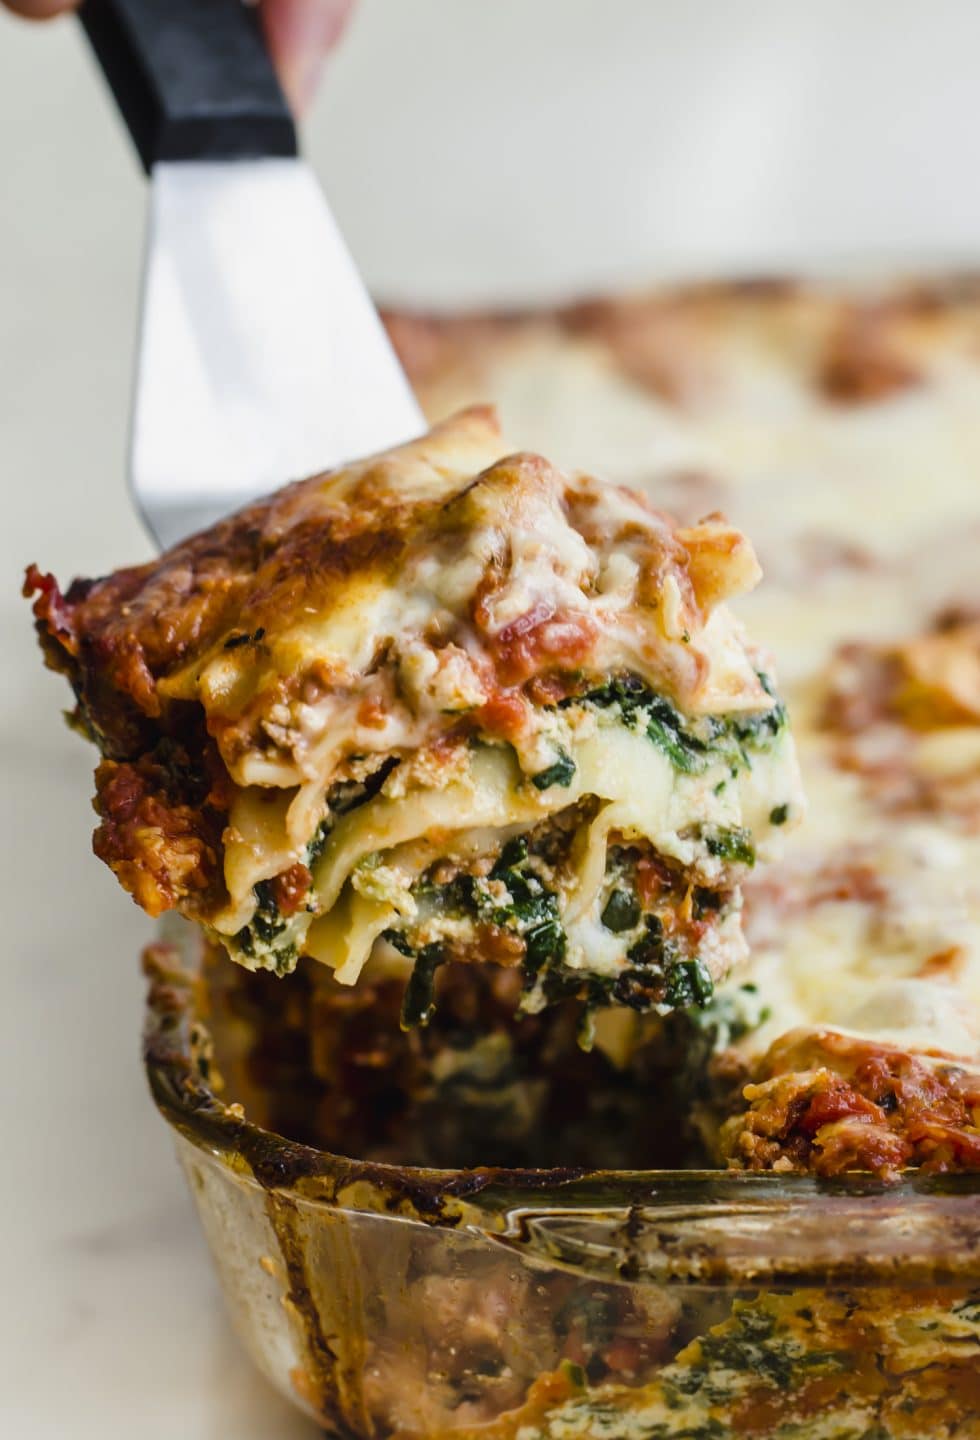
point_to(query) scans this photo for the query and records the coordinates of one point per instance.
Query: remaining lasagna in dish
(790, 1365)
(439, 705)
(876, 1065)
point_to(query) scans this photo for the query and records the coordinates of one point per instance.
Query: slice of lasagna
(436, 705)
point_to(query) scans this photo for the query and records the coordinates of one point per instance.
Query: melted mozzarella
(901, 965)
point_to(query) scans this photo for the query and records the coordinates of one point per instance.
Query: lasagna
(441, 704)
(798, 1365)
(880, 1066)
(838, 426)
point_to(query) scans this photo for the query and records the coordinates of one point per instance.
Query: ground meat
(827, 1103)
(163, 850)
(654, 878)
(290, 889)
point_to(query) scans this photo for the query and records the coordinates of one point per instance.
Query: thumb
(39, 9)
(299, 33)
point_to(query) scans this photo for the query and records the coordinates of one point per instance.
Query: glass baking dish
(389, 1300)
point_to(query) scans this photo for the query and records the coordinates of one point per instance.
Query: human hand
(299, 34)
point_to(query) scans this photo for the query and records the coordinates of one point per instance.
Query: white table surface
(111, 1323)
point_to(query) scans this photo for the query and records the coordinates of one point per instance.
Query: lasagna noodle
(644, 797)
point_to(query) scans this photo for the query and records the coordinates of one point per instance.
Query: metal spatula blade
(261, 356)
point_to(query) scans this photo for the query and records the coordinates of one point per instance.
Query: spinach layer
(514, 898)
(691, 745)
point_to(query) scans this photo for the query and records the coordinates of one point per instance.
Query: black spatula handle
(192, 78)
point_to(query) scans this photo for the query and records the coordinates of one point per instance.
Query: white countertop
(112, 1319)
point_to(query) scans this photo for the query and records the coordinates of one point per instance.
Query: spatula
(261, 357)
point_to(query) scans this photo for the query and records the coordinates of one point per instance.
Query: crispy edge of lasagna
(826, 1102)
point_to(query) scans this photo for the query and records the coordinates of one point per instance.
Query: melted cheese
(408, 587)
(897, 960)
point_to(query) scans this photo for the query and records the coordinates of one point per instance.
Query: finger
(299, 33)
(39, 9)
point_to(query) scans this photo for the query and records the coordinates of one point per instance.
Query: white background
(473, 152)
